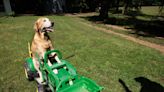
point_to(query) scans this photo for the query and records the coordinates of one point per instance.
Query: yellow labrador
(41, 42)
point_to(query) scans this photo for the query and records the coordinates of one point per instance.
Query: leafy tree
(72, 6)
(127, 5)
(92, 5)
(117, 4)
(130, 4)
(83, 6)
(104, 8)
(161, 7)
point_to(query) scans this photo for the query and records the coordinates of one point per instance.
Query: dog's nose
(52, 24)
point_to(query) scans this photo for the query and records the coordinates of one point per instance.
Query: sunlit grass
(100, 56)
(151, 10)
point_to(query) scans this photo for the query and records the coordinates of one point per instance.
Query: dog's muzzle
(48, 29)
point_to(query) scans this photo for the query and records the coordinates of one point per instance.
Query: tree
(7, 7)
(72, 6)
(127, 4)
(83, 6)
(117, 4)
(104, 8)
(137, 5)
(92, 5)
(131, 4)
(161, 7)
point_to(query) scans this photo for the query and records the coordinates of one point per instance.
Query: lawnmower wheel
(40, 88)
(28, 73)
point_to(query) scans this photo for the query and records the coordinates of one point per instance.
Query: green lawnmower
(65, 79)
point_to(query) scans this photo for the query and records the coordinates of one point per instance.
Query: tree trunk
(117, 5)
(52, 6)
(126, 6)
(7, 7)
(161, 7)
(104, 9)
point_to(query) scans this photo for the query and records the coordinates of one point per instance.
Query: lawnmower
(59, 76)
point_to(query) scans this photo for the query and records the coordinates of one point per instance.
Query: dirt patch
(117, 27)
(81, 14)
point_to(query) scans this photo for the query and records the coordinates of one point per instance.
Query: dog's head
(43, 25)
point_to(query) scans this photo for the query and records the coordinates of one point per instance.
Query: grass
(151, 10)
(100, 56)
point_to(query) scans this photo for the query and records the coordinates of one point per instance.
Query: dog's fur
(41, 42)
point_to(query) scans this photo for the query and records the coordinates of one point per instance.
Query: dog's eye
(44, 20)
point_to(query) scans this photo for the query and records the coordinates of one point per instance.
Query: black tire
(28, 73)
(41, 88)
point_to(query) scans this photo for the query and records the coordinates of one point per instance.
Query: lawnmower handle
(52, 51)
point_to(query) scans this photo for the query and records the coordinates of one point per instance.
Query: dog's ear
(36, 27)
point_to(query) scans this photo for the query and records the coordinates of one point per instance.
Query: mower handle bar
(59, 55)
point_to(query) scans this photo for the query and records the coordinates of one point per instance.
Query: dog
(41, 43)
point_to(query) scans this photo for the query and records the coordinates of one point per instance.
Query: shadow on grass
(70, 56)
(146, 85)
(153, 27)
(124, 85)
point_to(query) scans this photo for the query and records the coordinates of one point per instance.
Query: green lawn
(151, 10)
(100, 56)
